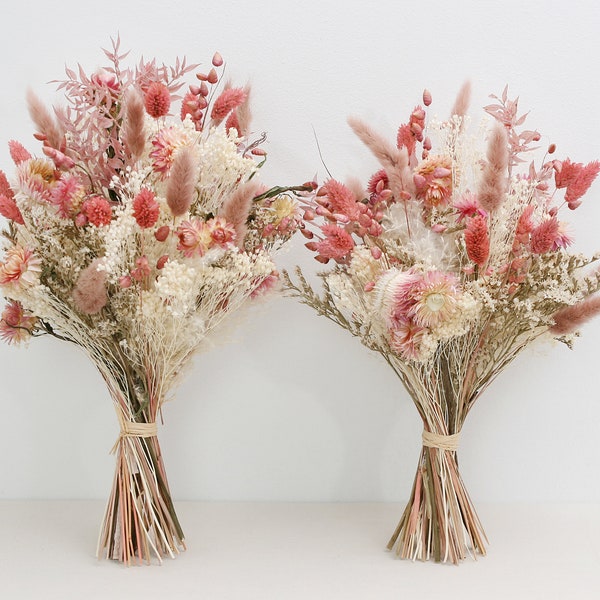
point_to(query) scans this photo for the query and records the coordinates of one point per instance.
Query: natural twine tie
(444, 442)
(133, 429)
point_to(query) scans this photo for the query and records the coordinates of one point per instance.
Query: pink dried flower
(98, 211)
(166, 142)
(341, 200)
(406, 138)
(182, 182)
(47, 125)
(89, 293)
(221, 232)
(525, 225)
(337, 244)
(67, 195)
(157, 99)
(461, 104)
(15, 325)
(18, 152)
(378, 182)
(5, 188)
(570, 318)
(406, 338)
(21, 267)
(230, 99)
(194, 238)
(494, 180)
(266, 285)
(236, 208)
(162, 233)
(436, 298)
(132, 131)
(217, 59)
(544, 236)
(193, 105)
(577, 178)
(142, 268)
(433, 181)
(467, 206)
(162, 261)
(10, 210)
(477, 240)
(145, 208)
(36, 178)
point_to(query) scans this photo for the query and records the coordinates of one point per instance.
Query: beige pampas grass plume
(182, 182)
(494, 180)
(46, 124)
(89, 293)
(463, 99)
(570, 318)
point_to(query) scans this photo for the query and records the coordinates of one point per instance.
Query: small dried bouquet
(452, 260)
(139, 227)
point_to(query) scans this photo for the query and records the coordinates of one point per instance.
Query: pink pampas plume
(461, 104)
(493, 183)
(568, 319)
(229, 100)
(182, 182)
(132, 131)
(47, 125)
(89, 293)
(393, 160)
(236, 208)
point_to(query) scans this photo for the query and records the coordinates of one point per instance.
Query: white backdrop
(294, 408)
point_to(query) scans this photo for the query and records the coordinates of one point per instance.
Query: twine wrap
(133, 429)
(444, 442)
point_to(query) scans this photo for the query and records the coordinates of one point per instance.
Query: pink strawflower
(477, 240)
(230, 99)
(89, 293)
(336, 245)
(545, 236)
(67, 195)
(433, 181)
(406, 338)
(570, 318)
(98, 211)
(467, 206)
(436, 297)
(15, 325)
(165, 143)
(18, 152)
(157, 99)
(563, 237)
(194, 238)
(577, 178)
(10, 210)
(21, 267)
(221, 232)
(37, 177)
(146, 208)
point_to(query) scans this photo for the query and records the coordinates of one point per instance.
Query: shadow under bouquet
(451, 261)
(133, 234)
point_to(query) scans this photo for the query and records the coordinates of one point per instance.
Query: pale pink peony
(98, 211)
(194, 238)
(221, 232)
(15, 325)
(157, 100)
(21, 267)
(337, 244)
(145, 208)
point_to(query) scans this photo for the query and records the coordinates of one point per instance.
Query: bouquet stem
(439, 522)
(140, 520)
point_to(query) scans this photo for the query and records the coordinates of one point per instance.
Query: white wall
(295, 409)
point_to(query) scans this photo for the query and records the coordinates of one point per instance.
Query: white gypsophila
(176, 286)
(130, 181)
(119, 243)
(222, 167)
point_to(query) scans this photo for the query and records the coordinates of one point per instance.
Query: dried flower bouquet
(451, 262)
(133, 236)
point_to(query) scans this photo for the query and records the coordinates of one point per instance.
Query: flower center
(435, 302)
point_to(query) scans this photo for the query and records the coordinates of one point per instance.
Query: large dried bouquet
(133, 235)
(451, 262)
